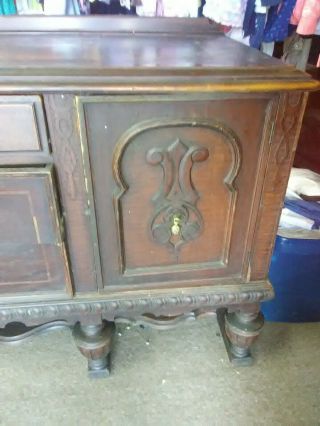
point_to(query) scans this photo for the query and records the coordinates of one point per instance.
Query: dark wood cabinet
(141, 176)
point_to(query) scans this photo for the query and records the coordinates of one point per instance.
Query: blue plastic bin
(295, 276)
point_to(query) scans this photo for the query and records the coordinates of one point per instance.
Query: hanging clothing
(29, 7)
(84, 7)
(306, 16)
(256, 36)
(277, 26)
(150, 8)
(267, 20)
(61, 7)
(54, 7)
(147, 8)
(181, 8)
(255, 20)
(169, 8)
(227, 12)
(107, 8)
(269, 3)
(237, 34)
(126, 4)
(7, 7)
(308, 209)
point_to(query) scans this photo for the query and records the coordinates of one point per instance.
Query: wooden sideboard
(143, 165)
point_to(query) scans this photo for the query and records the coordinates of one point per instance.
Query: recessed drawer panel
(23, 137)
(32, 253)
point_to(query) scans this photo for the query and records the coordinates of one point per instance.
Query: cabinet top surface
(90, 50)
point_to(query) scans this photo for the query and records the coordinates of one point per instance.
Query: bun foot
(94, 342)
(239, 330)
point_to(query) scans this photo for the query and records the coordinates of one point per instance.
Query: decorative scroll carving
(199, 154)
(73, 311)
(176, 219)
(291, 117)
(165, 322)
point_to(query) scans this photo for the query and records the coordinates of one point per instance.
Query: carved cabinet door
(173, 184)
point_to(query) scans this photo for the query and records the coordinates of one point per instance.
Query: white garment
(61, 7)
(55, 7)
(226, 12)
(181, 8)
(169, 8)
(237, 34)
(24, 8)
(148, 8)
(258, 8)
(290, 219)
(126, 4)
(303, 181)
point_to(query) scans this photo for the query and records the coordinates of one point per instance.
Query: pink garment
(306, 15)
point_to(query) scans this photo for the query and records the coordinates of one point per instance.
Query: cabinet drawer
(174, 184)
(32, 252)
(23, 136)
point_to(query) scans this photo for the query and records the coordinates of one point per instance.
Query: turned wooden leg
(239, 330)
(94, 342)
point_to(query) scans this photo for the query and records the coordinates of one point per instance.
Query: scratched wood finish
(32, 252)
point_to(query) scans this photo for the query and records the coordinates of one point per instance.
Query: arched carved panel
(178, 154)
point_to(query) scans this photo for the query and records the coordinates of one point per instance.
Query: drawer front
(32, 253)
(23, 137)
(173, 185)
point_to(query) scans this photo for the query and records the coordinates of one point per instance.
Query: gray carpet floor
(175, 377)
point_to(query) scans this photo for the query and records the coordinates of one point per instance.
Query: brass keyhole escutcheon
(175, 228)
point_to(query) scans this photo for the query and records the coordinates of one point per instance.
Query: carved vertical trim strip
(66, 150)
(267, 133)
(280, 159)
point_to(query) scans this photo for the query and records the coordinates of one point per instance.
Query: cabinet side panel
(280, 159)
(66, 150)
